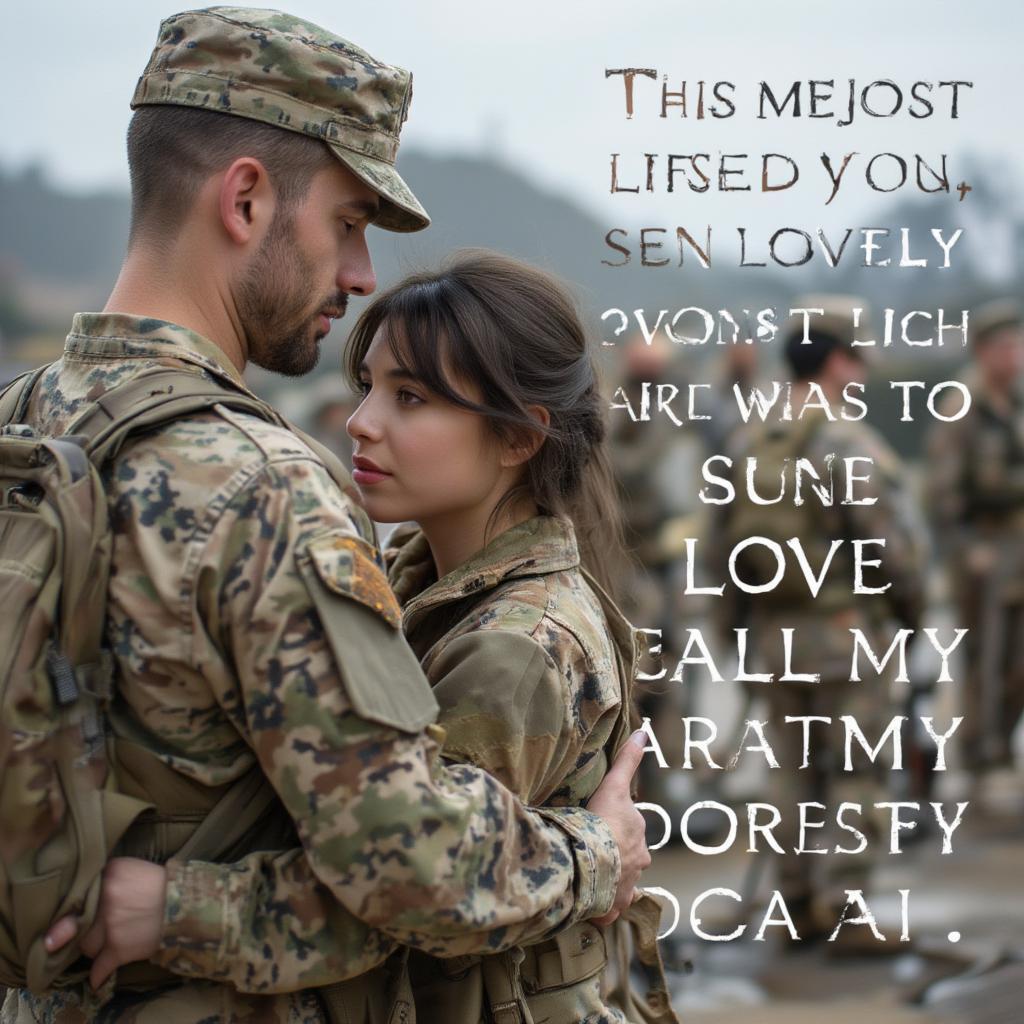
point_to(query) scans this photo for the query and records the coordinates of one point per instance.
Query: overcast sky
(527, 81)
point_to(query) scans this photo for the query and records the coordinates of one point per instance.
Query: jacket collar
(541, 545)
(126, 336)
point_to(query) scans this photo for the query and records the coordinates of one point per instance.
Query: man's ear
(527, 442)
(246, 200)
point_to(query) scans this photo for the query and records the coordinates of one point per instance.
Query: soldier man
(976, 483)
(248, 617)
(823, 361)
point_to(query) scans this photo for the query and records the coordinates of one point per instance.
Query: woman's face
(416, 456)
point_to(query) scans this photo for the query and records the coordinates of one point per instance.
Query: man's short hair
(807, 357)
(173, 150)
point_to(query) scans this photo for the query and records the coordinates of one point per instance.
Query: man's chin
(289, 361)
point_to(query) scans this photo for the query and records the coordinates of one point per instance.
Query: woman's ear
(528, 442)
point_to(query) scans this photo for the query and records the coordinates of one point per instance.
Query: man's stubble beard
(274, 304)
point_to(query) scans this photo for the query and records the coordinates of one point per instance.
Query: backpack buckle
(62, 677)
(18, 430)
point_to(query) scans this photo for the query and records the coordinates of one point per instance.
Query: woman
(481, 421)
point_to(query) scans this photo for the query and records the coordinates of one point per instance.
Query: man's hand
(612, 802)
(128, 922)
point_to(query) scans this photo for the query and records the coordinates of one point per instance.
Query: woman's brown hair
(515, 333)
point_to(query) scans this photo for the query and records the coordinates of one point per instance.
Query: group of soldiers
(971, 559)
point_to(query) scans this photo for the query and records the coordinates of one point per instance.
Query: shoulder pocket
(362, 623)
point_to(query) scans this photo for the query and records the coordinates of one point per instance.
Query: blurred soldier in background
(735, 368)
(639, 448)
(821, 625)
(330, 404)
(976, 484)
(651, 459)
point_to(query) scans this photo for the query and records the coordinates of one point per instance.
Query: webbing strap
(644, 918)
(236, 815)
(155, 397)
(15, 397)
(504, 989)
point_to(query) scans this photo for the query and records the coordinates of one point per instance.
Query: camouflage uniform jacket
(250, 623)
(521, 657)
(532, 676)
(976, 473)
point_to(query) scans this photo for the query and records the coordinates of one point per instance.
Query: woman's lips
(366, 471)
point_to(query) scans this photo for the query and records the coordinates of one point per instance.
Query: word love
(793, 557)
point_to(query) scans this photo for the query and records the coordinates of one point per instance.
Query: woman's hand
(128, 922)
(612, 801)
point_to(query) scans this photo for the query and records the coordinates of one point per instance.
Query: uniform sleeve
(527, 712)
(891, 516)
(502, 708)
(947, 450)
(303, 648)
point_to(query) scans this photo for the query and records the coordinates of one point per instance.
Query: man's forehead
(339, 187)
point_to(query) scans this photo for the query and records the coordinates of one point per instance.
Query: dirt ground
(976, 893)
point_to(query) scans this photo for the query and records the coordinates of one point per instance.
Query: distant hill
(55, 235)
(74, 243)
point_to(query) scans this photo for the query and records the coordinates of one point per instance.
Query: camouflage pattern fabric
(519, 654)
(232, 550)
(522, 660)
(282, 70)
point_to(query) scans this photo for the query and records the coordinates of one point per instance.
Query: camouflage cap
(993, 317)
(287, 72)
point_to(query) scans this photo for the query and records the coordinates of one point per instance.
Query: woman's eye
(407, 397)
(364, 387)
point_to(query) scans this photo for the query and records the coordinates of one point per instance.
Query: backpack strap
(166, 393)
(152, 398)
(503, 987)
(15, 396)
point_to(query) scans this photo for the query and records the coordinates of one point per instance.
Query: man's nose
(356, 275)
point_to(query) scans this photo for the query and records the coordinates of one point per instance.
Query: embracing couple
(369, 802)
